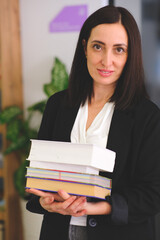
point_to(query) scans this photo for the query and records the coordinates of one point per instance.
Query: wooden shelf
(11, 93)
(2, 215)
(1, 172)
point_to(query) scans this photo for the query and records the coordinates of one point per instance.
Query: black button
(92, 222)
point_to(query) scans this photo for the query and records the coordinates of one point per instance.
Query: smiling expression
(106, 52)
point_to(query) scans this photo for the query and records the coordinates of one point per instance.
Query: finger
(78, 204)
(46, 200)
(39, 193)
(45, 194)
(59, 207)
(80, 213)
(58, 198)
(68, 202)
(63, 194)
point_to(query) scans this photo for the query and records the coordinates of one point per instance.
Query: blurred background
(39, 31)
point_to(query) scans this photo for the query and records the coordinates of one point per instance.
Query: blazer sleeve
(139, 198)
(45, 133)
(49, 117)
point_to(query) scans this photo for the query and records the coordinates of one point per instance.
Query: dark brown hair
(130, 87)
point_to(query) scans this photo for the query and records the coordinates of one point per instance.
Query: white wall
(134, 6)
(39, 46)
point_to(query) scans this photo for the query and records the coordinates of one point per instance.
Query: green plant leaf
(13, 130)
(19, 144)
(49, 89)
(20, 180)
(32, 134)
(59, 75)
(9, 113)
(40, 106)
(59, 80)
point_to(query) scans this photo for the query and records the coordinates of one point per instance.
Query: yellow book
(70, 187)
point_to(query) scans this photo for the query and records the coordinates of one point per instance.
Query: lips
(105, 73)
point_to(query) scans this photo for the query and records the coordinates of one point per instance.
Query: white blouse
(97, 134)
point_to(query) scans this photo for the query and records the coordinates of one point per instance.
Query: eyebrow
(117, 44)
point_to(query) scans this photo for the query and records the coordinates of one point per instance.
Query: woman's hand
(66, 204)
(61, 202)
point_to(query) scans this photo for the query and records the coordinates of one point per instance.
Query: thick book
(64, 167)
(80, 189)
(72, 153)
(69, 176)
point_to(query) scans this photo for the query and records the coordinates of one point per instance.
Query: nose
(107, 59)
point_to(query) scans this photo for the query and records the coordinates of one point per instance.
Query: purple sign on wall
(69, 19)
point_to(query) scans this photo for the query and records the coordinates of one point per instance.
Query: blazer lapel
(119, 140)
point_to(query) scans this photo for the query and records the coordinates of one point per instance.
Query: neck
(101, 95)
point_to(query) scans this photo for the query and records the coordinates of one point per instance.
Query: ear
(84, 46)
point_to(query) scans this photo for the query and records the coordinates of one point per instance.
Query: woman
(106, 103)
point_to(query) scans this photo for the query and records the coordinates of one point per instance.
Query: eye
(97, 47)
(120, 50)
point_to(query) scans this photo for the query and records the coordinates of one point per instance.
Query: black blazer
(135, 137)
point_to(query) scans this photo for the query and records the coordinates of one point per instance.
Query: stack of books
(72, 167)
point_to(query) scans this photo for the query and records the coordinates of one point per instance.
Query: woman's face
(106, 53)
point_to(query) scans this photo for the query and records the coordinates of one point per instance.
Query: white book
(88, 155)
(64, 167)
